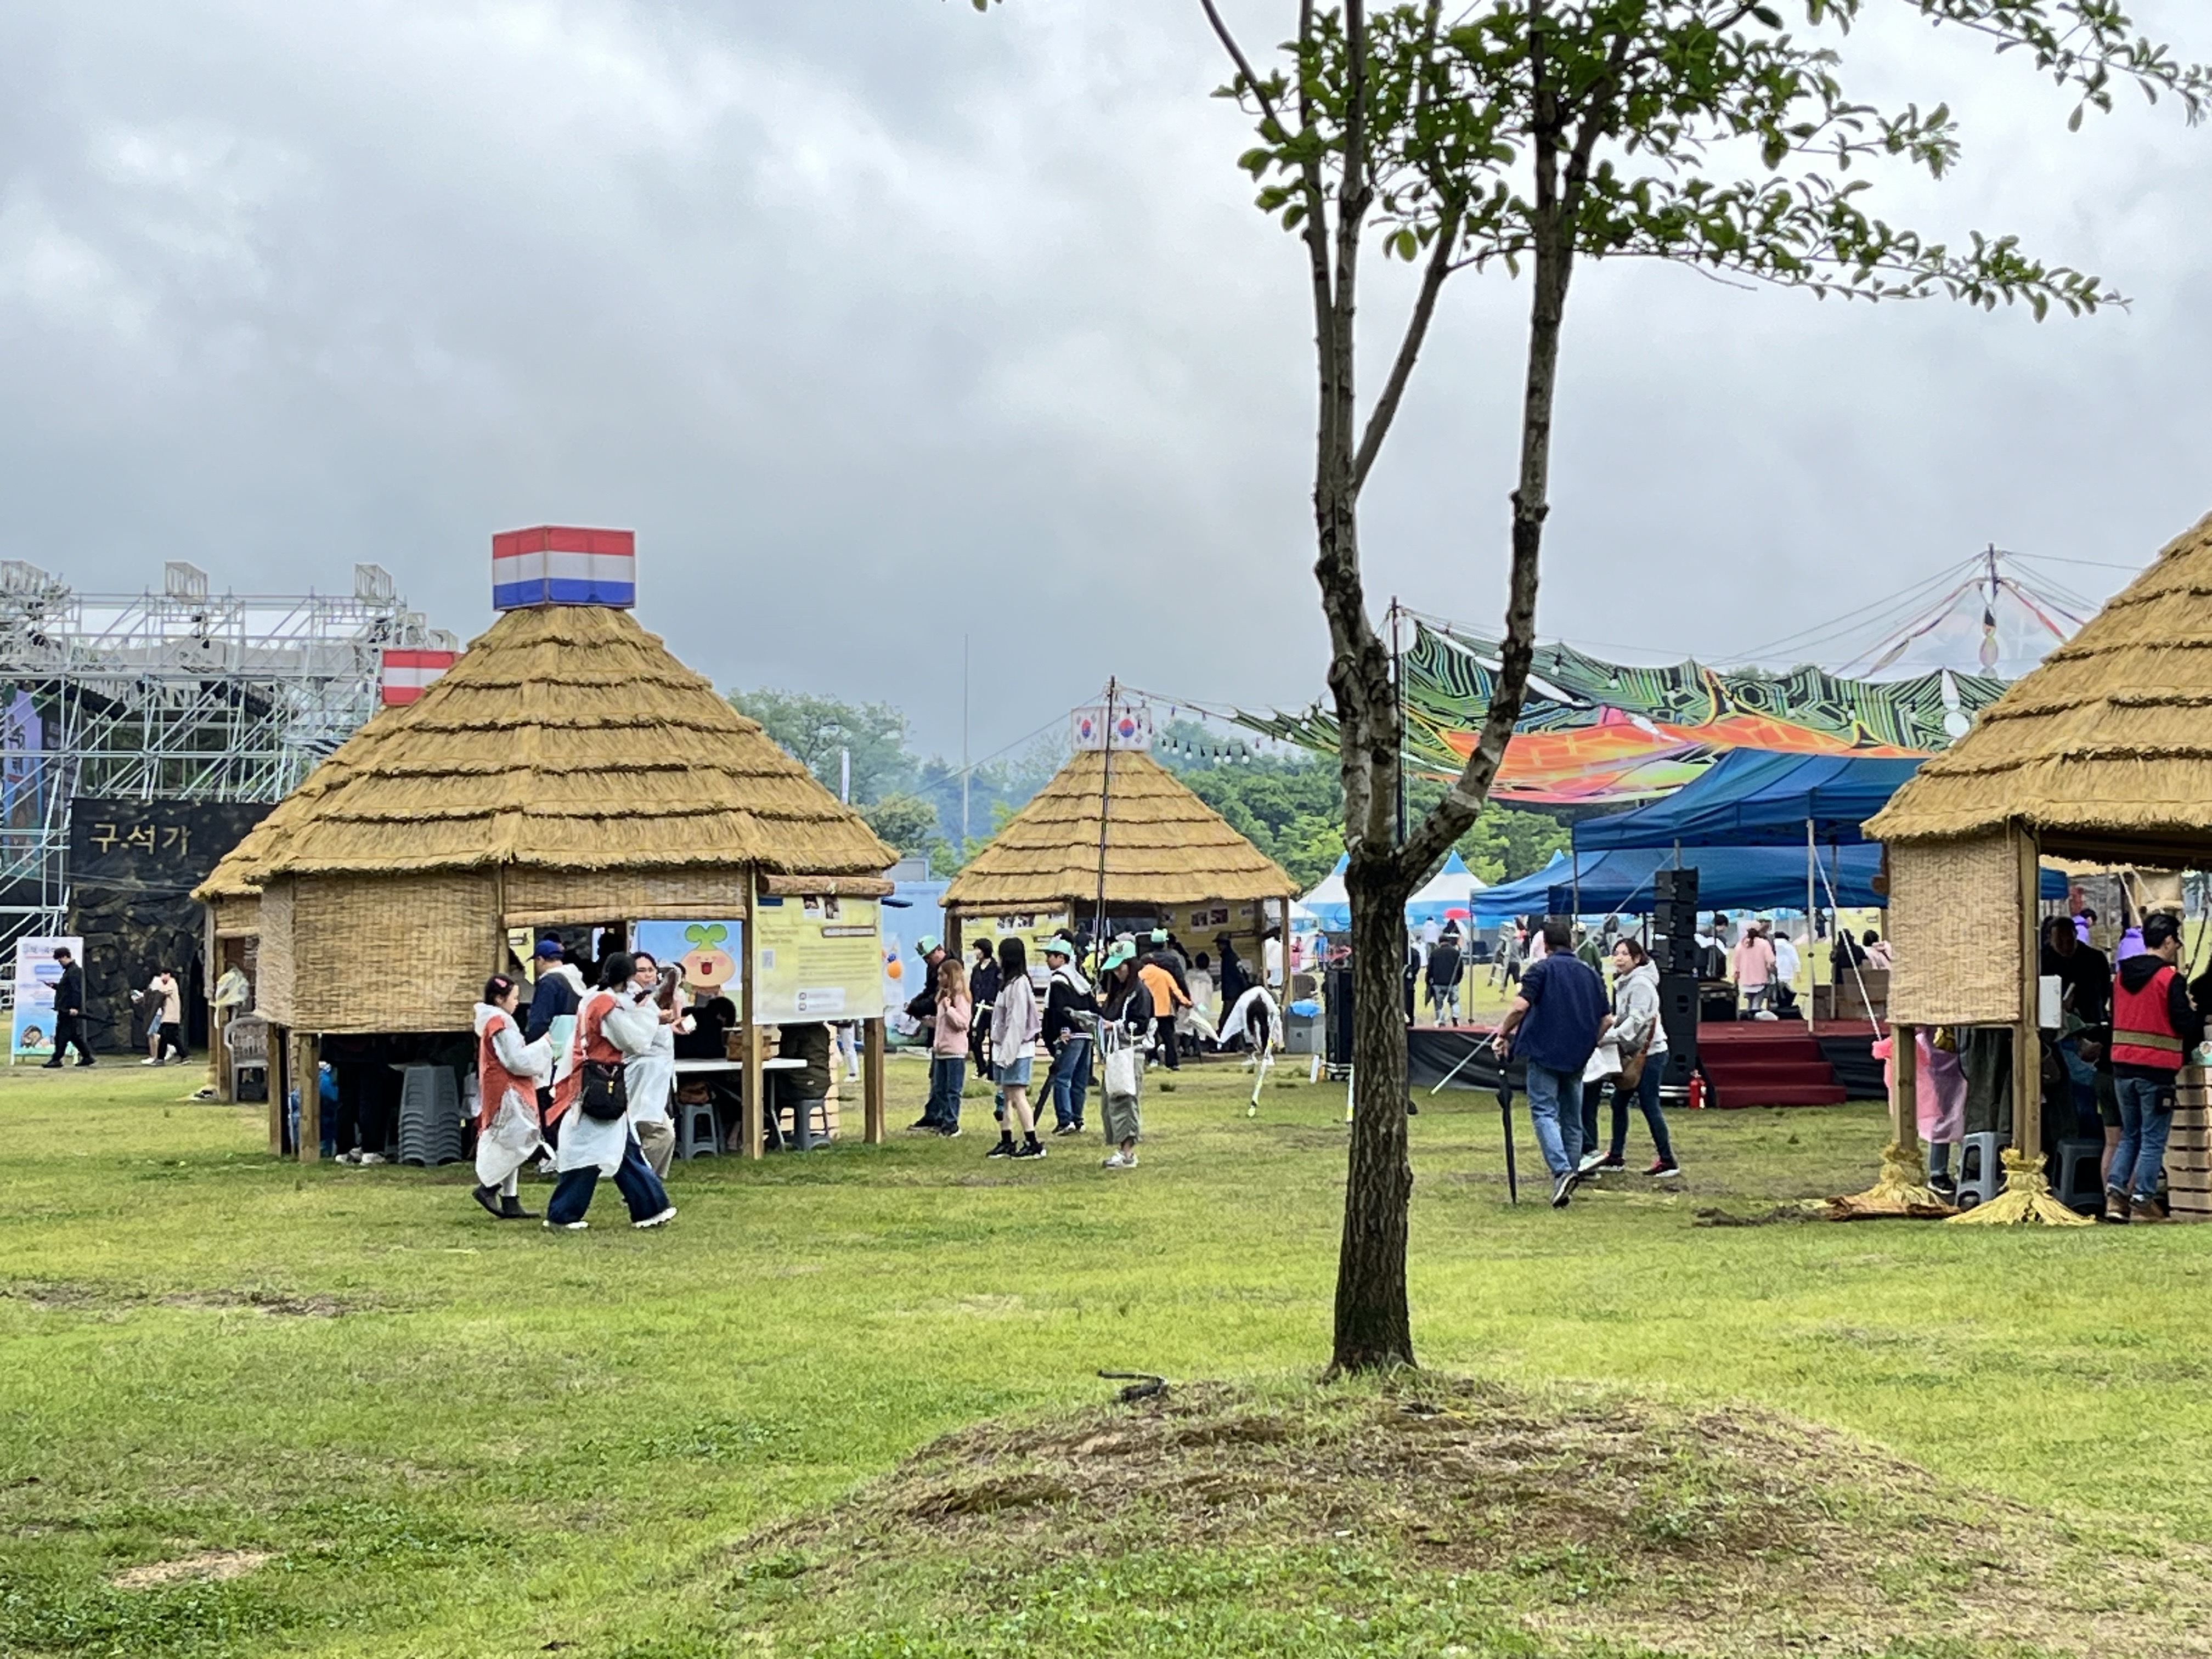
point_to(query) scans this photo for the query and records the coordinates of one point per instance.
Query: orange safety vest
(2143, 1025)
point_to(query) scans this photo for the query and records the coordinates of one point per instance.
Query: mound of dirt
(1584, 1516)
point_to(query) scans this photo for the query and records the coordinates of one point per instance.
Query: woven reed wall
(273, 968)
(391, 953)
(236, 916)
(544, 897)
(1954, 924)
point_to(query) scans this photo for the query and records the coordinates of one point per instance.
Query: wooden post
(2027, 1043)
(872, 1080)
(279, 1043)
(1904, 1089)
(311, 1102)
(749, 1110)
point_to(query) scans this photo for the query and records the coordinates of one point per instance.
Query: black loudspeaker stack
(1675, 949)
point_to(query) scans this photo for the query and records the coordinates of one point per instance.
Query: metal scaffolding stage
(179, 695)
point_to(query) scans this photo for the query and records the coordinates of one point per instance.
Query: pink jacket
(954, 1016)
(1752, 962)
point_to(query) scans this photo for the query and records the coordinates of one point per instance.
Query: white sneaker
(660, 1220)
(565, 1226)
(149, 1063)
(1119, 1160)
(352, 1156)
(372, 1157)
(1590, 1161)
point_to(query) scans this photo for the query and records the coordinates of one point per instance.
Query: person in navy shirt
(1557, 1015)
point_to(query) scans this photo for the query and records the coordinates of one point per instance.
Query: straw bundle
(2105, 750)
(1163, 845)
(566, 738)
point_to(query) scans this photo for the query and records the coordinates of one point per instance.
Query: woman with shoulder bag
(1126, 1015)
(1641, 1037)
(614, 1022)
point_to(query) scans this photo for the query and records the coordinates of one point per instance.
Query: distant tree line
(911, 802)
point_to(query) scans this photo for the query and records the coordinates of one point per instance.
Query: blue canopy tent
(1619, 882)
(1759, 798)
(1729, 878)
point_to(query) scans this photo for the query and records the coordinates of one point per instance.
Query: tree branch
(1228, 39)
(1441, 266)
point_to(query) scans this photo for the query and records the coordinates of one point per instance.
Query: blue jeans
(948, 1076)
(2143, 1130)
(633, 1178)
(1555, 1109)
(1647, 1101)
(1070, 1081)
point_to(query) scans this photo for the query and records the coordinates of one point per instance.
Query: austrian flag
(406, 673)
(561, 564)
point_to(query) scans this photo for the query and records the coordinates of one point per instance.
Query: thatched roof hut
(1166, 851)
(567, 769)
(2103, 752)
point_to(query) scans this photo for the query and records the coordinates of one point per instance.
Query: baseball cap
(928, 943)
(1159, 936)
(548, 949)
(1117, 956)
(1057, 947)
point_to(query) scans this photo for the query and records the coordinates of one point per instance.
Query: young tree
(1531, 135)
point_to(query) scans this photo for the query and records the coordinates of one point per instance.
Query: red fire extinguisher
(1697, 1091)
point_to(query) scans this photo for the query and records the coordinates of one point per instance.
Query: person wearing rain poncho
(615, 1022)
(509, 1074)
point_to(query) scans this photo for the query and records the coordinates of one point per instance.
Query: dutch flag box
(561, 564)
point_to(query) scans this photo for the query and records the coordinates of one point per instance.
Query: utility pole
(964, 746)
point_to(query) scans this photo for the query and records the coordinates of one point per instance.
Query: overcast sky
(882, 322)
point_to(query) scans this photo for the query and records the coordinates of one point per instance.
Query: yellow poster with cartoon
(816, 958)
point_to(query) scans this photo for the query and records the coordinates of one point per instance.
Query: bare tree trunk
(1374, 1320)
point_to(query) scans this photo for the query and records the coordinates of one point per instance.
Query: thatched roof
(1163, 845)
(2106, 748)
(240, 874)
(566, 738)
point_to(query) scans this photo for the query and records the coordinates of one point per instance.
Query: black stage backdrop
(132, 868)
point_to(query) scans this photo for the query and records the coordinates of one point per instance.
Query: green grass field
(401, 1428)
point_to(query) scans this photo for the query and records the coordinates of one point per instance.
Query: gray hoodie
(1636, 1011)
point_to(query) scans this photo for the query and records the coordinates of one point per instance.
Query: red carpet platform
(1767, 1063)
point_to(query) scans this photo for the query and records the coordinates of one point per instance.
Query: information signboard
(816, 958)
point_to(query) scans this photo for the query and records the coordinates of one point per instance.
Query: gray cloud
(883, 324)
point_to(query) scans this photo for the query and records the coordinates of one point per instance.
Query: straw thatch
(1955, 915)
(1164, 846)
(566, 739)
(2104, 750)
(233, 888)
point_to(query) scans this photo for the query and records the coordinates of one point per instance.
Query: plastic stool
(2073, 1157)
(1979, 1154)
(690, 1121)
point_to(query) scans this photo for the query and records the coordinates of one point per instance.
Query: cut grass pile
(257, 1408)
